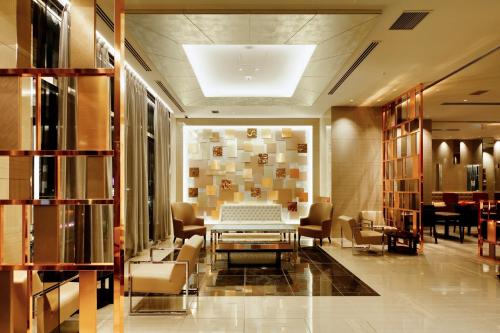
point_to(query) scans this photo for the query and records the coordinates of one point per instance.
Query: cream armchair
(319, 222)
(165, 277)
(375, 218)
(185, 222)
(359, 233)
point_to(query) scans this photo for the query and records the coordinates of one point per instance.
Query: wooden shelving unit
(402, 162)
(489, 224)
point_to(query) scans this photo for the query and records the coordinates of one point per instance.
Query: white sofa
(250, 213)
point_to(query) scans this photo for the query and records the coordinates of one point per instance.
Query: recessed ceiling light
(213, 66)
(351, 100)
(466, 100)
(240, 69)
(379, 99)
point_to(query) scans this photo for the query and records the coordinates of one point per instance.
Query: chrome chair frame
(185, 290)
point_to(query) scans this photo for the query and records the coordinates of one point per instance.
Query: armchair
(319, 222)
(360, 233)
(165, 277)
(374, 217)
(185, 223)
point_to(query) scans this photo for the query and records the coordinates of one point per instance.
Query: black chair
(429, 220)
(471, 217)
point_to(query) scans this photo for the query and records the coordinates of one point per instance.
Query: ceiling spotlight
(466, 100)
(351, 100)
(240, 69)
(248, 77)
(257, 69)
(379, 99)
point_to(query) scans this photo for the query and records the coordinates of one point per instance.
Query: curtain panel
(162, 181)
(136, 182)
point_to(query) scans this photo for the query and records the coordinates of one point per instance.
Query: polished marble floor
(447, 289)
(309, 272)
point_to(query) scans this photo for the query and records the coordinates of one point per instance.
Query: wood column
(88, 301)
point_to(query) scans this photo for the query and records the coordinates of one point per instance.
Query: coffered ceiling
(161, 36)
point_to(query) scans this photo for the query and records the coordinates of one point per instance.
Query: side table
(410, 239)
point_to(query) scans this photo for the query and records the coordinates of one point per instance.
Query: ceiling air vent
(478, 92)
(355, 65)
(106, 19)
(137, 56)
(409, 20)
(169, 95)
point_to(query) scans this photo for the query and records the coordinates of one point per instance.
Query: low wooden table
(394, 235)
(277, 248)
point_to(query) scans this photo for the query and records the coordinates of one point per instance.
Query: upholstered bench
(250, 213)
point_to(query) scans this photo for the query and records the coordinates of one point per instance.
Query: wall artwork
(256, 192)
(251, 133)
(280, 173)
(239, 164)
(194, 172)
(193, 192)
(263, 158)
(217, 151)
(226, 184)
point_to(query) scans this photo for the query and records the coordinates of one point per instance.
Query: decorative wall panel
(247, 164)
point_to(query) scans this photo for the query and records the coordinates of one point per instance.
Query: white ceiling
(454, 33)
(482, 75)
(259, 70)
(337, 36)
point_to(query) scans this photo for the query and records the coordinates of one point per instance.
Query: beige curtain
(136, 184)
(162, 184)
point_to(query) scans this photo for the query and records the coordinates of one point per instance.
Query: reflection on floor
(309, 272)
(447, 289)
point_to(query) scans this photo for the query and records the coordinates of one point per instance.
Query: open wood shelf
(402, 146)
(48, 202)
(26, 72)
(57, 267)
(57, 153)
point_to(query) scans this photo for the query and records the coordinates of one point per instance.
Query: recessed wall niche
(248, 164)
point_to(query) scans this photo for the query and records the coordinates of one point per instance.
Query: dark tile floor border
(313, 273)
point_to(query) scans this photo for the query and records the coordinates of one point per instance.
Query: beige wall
(455, 175)
(427, 160)
(356, 160)
(245, 122)
(325, 154)
(496, 153)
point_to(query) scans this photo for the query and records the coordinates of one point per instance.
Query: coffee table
(278, 247)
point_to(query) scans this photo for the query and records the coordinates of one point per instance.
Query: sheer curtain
(162, 182)
(136, 188)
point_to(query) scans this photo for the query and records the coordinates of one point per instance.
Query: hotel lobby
(249, 166)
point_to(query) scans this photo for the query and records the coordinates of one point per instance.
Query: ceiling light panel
(248, 70)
